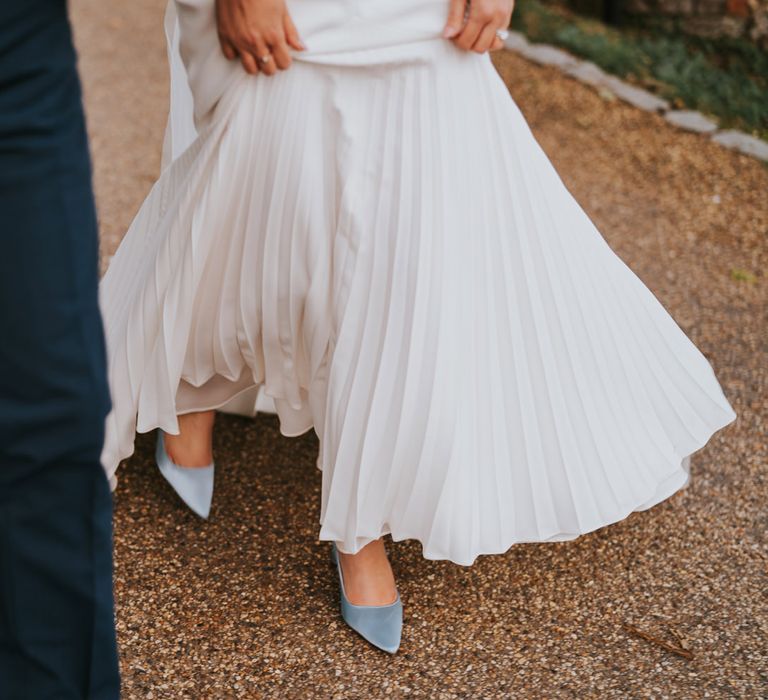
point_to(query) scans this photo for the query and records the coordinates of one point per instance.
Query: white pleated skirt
(385, 251)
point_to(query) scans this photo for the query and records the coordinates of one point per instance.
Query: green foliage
(742, 276)
(727, 78)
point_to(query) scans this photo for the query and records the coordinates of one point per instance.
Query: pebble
(637, 97)
(690, 121)
(587, 72)
(548, 55)
(744, 143)
(516, 41)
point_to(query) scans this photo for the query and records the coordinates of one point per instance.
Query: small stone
(586, 72)
(606, 94)
(744, 143)
(548, 55)
(516, 41)
(642, 99)
(691, 121)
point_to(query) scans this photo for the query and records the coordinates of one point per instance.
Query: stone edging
(591, 74)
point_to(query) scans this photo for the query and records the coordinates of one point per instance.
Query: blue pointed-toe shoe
(381, 625)
(193, 484)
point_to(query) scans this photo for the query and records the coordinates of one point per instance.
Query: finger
(229, 51)
(468, 36)
(455, 18)
(282, 55)
(260, 51)
(486, 39)
(292, 34)
(249, 62)
(222, 22)
(497, 44)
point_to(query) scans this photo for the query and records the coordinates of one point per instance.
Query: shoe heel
(381, 625)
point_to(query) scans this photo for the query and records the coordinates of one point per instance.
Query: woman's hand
(259, 32)
(476, 30)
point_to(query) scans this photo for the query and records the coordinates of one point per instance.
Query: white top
(340, 32)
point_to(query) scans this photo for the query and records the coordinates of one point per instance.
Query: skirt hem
(668, 487)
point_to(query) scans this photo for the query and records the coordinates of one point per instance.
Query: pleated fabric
(387, 252)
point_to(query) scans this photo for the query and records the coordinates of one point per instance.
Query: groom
(57, 636)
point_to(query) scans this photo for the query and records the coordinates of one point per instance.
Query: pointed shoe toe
(381, 625)
(194, 485)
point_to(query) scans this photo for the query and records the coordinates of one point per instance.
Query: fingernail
(449, 32)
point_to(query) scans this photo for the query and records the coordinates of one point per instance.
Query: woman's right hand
(255, 30)
(475, 26)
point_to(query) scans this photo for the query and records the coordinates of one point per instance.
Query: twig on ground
(682, 641)
(679, 650)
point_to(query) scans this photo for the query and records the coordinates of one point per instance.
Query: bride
(355, 222)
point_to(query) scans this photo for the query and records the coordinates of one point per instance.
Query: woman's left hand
(477, 31)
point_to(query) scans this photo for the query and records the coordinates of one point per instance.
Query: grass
(726, 78)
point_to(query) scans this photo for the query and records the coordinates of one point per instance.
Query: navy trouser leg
(57, 637)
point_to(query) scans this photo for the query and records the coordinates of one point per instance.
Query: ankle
(197, 423)
(192, 447)
(368, 577)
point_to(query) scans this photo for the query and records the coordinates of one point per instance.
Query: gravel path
(245, 606)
